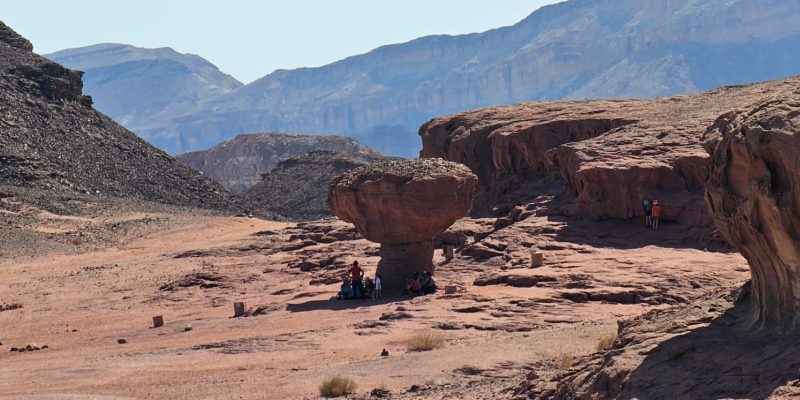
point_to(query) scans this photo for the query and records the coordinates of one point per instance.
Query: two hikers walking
(652, 213)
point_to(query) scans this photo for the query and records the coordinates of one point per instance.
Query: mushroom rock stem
(399, 261)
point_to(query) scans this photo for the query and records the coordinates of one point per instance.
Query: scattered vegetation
(338, 385)
(424, 341)
(9, 307)
(77, 241)
(607, 341)
(565, 361)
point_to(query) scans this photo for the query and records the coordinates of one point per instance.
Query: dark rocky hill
(571, 50)
(239, 163)
(52, 139)
(298, 188)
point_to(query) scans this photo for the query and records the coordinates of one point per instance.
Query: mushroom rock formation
(754, 198)
(403, 205)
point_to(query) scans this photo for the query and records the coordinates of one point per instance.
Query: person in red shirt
(656, 214)
(357, 276)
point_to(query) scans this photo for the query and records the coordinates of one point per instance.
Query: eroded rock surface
(403, 205)
(610, 154)
(754, 198)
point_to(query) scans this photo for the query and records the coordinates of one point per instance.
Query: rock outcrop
(403, 205)
(298, 187)
(51, 139)
(754, 198)
(610, 154)
(239, 163)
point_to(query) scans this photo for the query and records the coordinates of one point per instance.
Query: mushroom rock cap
(403, 201)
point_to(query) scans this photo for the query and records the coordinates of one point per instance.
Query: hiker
(376, 294)
(656, 214)
(648, 212)
(413, 286)
(346, 290)
(357, 275)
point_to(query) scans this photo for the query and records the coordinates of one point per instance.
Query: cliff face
(572, 50)
(297, 188)
(610, 154)
(52, 139)
(239, 163)
(754, 198)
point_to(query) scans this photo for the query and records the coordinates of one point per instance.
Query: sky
(249, 39)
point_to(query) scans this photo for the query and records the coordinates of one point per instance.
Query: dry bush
(565, 361)
(77, 241)
(424, 341)
(607, 341)
(338, 385)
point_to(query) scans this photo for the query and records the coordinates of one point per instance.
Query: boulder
(754, 198)
(403, 205)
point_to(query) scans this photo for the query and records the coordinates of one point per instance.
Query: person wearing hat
(656, 214)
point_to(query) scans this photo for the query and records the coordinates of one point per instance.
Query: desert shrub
(565, 361)
(607, 341)
(77, 241)
(424, 341)
(338, 385)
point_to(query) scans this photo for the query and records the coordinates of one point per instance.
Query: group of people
(355, 286)
(652, 213)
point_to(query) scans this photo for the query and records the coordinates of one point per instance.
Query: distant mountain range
(575, 49)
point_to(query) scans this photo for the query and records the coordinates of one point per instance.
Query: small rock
(188, 328)
(45, 347)
(122, 341)
(414, 389)
(14, 349)
(384, 353)
(380, 393)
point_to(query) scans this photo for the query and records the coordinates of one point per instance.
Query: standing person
(648, 212)
(356, 276)
(376, 294)
(656, 214)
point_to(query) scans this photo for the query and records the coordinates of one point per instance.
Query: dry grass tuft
(565, 361)
(338, 385)
(607, 341)
(424, 341)
(77, 241)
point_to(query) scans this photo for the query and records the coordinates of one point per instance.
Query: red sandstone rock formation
(754, 198)
(610, 154)
(403, 205)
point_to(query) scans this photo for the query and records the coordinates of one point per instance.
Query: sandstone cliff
(52, 139)
(610, 154)
(239, 163)
(297, 188)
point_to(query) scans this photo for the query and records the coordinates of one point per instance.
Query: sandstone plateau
(403, 205)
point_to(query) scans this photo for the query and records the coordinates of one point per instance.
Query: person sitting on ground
(369, 287)
(346, 290)
(656, 214)
(429, 286)
(376, 294)
(413, 287)
(356, 276)
(648, 212)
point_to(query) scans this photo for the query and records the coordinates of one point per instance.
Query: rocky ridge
(297, 188)
(238, 164)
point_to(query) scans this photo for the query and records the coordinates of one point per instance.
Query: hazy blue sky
(249, 38)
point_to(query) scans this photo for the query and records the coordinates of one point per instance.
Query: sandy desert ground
(507, 319)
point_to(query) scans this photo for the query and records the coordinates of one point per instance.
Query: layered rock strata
(754, 198)
(403, 205)
(610, 154)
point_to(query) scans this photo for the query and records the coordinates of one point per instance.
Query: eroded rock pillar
(400, 261)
